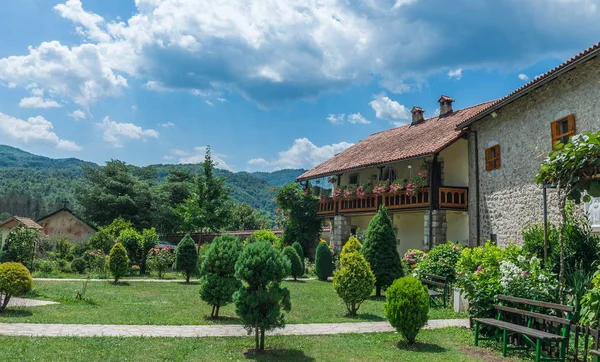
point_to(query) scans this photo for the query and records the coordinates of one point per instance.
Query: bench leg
(538, 350)
(563, 350)
(504, 342)
(476, 328)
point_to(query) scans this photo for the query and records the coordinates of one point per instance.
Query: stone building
(510, 138)
(481, 162)
(6, 226)
(64, 224)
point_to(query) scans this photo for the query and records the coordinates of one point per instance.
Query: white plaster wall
(361, 221)
(410, 233)
(456, 164)
(457, 227)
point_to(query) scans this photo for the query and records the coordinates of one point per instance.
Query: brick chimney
(445, 105)
(417, 115)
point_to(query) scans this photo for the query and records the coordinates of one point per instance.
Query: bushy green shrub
(159, 260)
(353, 245)
(298, 247)
(380, 251)
(63, 248)
(323, 261)
(295, 263)
(264, 235)
(590, 304)
(19, 246)
(15, 280)
(218, 281)
(441, 260)
(354, 281)
(78, 265)
(412, 258)
(118, 261)
(47, 266)
(407, 306)
(259, 304)
(96, 261)
(132, 241)
(106, 237)
(186, 257)
(149, 241)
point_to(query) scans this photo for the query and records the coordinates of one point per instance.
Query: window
(563, 129)
(492, 158)
(353, 179)
(389, 174)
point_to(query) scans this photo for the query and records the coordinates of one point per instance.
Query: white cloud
(90, 22)
(134, 108)
(523, 77)
(168, 124)
(115, 132)
(457, 73)
(38, 102)
(197, 154)
(355, 118)
(168, 158)
(33, 131)
(209, 103)
(336, 118)
(302, 154)
(78, 114)
(388, 109)
(221, 99)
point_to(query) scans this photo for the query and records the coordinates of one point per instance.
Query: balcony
(449, 198)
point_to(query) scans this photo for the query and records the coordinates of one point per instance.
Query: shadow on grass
(120, 283)
(376, 298)
(222, 320)
(421, 347)
(277, 355)
(295, 281)
(190, 283)
(366, 317)
(15, 313)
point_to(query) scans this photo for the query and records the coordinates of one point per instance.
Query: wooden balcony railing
(449, 198)
(453, 197)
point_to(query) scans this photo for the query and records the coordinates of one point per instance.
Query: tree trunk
(378, 292)
(217, 311)
(187, 277)
(4, 303)
(561, 243)
(256, 339)
(262, 339)
(212, 313)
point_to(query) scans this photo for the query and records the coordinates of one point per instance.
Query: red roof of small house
(25, 221)
(535, 83)
(401, 143)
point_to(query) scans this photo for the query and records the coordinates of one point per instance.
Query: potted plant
(381, 188)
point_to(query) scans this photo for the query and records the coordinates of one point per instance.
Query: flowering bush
(338, 192)
(159, 260)
(527, 279)
(397, 186)
(349, 191)
(441, 260)
(96, 261)
(412, 257)
(381, 188)
(332, 179)
(360, 191)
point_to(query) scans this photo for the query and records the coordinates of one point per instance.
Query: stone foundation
(438, 228)
(340, 231)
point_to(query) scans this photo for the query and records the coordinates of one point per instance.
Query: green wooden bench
(536, 330)
(437, 288)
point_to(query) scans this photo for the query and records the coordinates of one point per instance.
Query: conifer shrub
(295, 263)
(353, 245)
(354, 281)
(186, 257)
(78, 265)
(407, 306)
(296, 245)
(260, 302)
(218, 281)
(380, 251)
(15, 280)
(323, 261)
(118, 261)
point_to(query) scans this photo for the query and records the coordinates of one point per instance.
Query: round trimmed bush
(47, 266)
(441, 260)
(15, 280)
(323, 261)
(296, 245)
(186, 257)
(294, 258)
(407, 306)
(118, 261)
(354, 281)
(78, 265)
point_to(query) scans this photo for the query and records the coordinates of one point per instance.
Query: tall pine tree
(380, 251)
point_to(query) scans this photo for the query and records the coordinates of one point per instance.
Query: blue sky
(267, 84)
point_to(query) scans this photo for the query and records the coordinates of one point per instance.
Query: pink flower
(479, 268)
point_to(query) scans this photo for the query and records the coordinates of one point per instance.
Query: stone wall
(438, 228)
(341, 230)
(509, 198)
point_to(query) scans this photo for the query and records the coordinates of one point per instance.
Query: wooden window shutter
(571, 123)
(497, 147)
(488, 156)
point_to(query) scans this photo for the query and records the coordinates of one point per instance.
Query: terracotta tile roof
(27, 222)
(538, 81)
(426, 138)
(445, 98)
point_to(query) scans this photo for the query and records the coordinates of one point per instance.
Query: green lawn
(179, 304)
(61, 275)
(448, 345)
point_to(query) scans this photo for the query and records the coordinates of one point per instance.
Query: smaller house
(63, 223)
(12, 223)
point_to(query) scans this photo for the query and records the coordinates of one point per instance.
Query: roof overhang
(536, 83)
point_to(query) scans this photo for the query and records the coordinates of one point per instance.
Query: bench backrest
(563, 311)
(435, 280)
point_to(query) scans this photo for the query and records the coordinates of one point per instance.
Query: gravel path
(21, 302)
(92, 330)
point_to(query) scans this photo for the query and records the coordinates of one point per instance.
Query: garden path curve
(92, 330)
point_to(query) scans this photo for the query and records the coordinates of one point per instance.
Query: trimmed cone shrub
(296, 245)
(380, 251)
(323, 261)
(407, 306)
(118, 262)
(354, 281)
(186, 257)
(132, 241)
(218, 281)
(78, 265)
(353, 245)
(15, 280)
(259, 304)
(149, 241)
(295, 263)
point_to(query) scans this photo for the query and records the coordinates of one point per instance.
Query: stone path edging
(95, 330)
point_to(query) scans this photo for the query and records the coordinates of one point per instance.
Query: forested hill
(34, 186)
